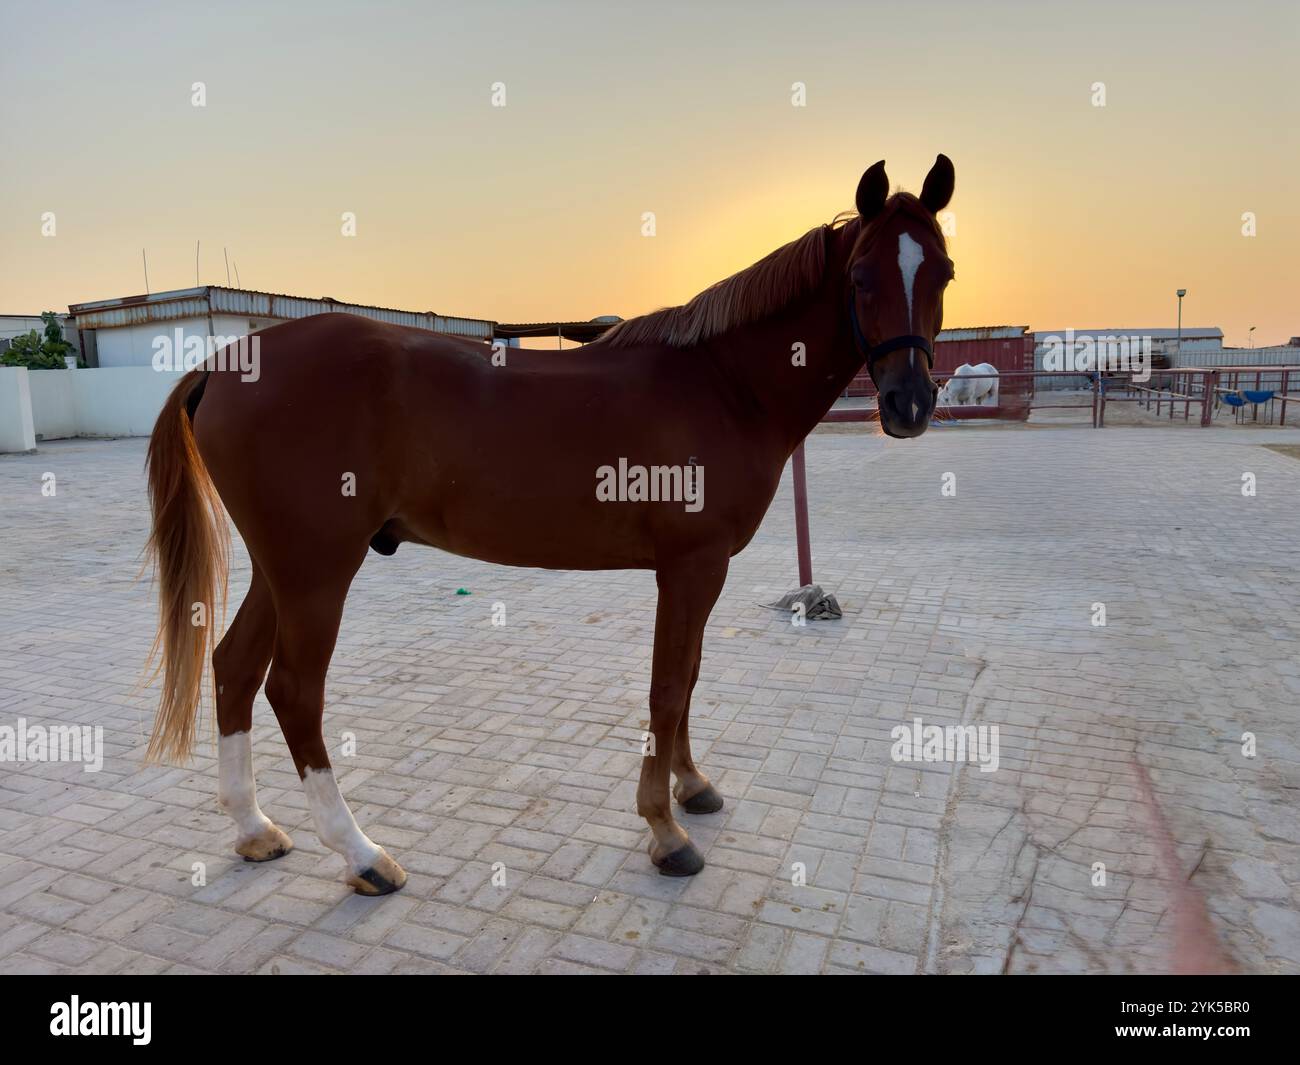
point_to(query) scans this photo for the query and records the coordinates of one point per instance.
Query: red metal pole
(801, 515)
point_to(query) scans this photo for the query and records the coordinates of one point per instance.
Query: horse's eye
(863, 276)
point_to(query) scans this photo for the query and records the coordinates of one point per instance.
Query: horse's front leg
(688, 588)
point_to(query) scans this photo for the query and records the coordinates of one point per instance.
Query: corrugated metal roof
(124, 313)
(584, 331)
(983, 332)
(130, 301)
(1188, 332)
(1277, 355)
(216, 299)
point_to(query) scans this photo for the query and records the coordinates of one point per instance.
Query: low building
(1163, 341)
(1165, 345)
(123, 332)
(16, 325)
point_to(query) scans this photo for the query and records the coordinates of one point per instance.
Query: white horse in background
(964, 389)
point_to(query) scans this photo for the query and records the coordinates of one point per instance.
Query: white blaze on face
(910, 258)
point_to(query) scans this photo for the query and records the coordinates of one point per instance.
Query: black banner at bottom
(344, 1014)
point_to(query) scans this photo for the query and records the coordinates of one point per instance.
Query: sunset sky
(1067, 214)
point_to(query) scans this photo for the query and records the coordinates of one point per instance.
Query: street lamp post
(1181, 293)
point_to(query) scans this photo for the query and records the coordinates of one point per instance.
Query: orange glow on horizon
(1068, 214)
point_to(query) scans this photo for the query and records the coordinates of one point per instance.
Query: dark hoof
(685, 861)
(270, 856)
(266, 846)
(709, 801)
(382, 878)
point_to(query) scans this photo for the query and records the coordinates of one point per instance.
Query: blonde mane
(755, 292)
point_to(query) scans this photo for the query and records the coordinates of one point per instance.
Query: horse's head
(898, 270)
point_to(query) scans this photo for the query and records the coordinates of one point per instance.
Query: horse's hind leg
(308, 614)
(692, 791)
(239, 665)
(687, 591)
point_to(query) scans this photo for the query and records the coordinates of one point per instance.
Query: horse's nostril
(906, 405)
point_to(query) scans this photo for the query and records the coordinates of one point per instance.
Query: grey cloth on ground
(817, 604)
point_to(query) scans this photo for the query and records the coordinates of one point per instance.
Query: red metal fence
(1202, 389)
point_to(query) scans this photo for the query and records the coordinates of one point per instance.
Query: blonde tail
(189, 546)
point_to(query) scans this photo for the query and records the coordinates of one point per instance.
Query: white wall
(238, 325)
(54, 403)
(133, 345)
(116, 401)
(120, 398)
(16, 432)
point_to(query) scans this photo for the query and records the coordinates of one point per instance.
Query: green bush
(38, 352)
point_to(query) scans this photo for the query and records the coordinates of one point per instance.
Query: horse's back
(321, 344)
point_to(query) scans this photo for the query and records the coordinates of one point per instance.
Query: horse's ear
(937, 190)
(873, 190)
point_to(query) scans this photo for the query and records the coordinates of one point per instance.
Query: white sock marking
(236, 786)
(335, 824)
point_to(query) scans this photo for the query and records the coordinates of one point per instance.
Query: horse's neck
(795, 364)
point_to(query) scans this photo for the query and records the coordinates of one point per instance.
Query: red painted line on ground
(1196, 947)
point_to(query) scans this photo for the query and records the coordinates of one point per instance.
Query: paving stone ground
(515, 747)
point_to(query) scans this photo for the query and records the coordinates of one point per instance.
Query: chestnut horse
(357, 434)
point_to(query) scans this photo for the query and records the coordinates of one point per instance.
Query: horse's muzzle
(905, 410)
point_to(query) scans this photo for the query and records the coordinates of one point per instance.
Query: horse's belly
(557, 533)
